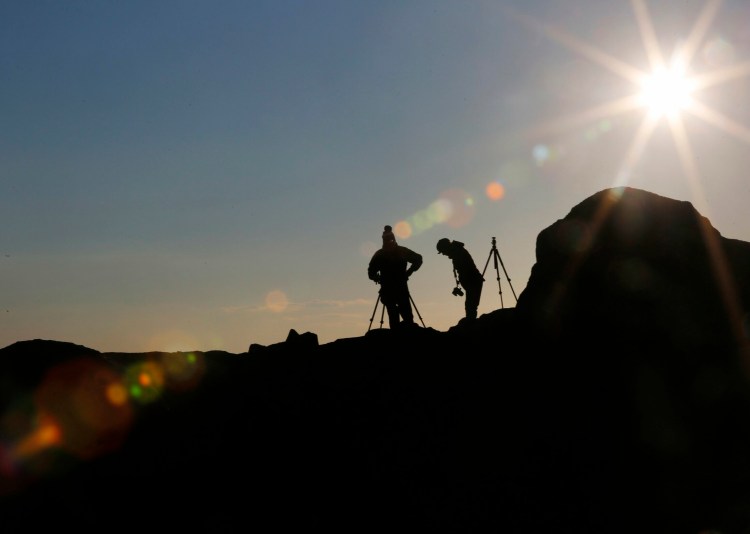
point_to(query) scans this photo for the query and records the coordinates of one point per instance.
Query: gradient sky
(197, 175)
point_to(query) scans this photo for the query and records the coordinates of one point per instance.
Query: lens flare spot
(495, 191)
(75, 395)
(145, 381)
(183, 370)
(46, 435)
(116, 394)
(540, 153)
(422, 221)
(276, 301)
(462, 207)
(439, 211)
(402, 230)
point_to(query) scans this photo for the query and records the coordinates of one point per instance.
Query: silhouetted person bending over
(465, 272)
(388, 268)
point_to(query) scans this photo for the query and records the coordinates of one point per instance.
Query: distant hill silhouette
(613, 398)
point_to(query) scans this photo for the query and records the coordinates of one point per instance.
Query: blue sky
(194, 175)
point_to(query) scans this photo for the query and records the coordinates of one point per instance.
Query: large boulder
(633, 267)
(636, 308)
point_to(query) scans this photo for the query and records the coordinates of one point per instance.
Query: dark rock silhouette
(613, 398)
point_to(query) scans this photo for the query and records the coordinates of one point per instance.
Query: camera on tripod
(457, 292)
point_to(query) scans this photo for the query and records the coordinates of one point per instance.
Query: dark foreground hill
(613, 398)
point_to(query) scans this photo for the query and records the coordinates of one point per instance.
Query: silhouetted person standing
(388, 268)
(465, 272)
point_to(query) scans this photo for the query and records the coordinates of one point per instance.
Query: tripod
(382, 312)
(494, 253)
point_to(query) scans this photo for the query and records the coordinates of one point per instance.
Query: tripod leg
(487, 262)
(497, 270)
(373, 314)
(506, 274)
(416, 310)
(382, 314)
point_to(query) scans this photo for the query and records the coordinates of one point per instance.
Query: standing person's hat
(388, 236)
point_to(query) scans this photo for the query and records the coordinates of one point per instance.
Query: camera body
(457, 292)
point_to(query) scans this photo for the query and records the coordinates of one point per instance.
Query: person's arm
(372, 271)
(416, 262)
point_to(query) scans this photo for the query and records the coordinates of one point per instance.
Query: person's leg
(404, 306)
(391, 306)
(473, 293)
(393, 316)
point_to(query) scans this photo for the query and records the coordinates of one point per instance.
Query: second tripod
(496, 255)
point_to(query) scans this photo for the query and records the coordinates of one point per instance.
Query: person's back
(390, 263)
(464, 263)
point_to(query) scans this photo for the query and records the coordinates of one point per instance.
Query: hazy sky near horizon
(195, 175)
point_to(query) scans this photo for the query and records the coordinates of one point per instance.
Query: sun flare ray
(720, 121)
(717, 77)
(608, 109)
(637, 146)
(648, 34)
(583, 48)
(688, 163)
(698, 33)
(719, 265)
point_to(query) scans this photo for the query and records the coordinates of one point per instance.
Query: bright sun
(666, 92)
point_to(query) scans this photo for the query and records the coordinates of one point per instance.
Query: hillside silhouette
(614, 397)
